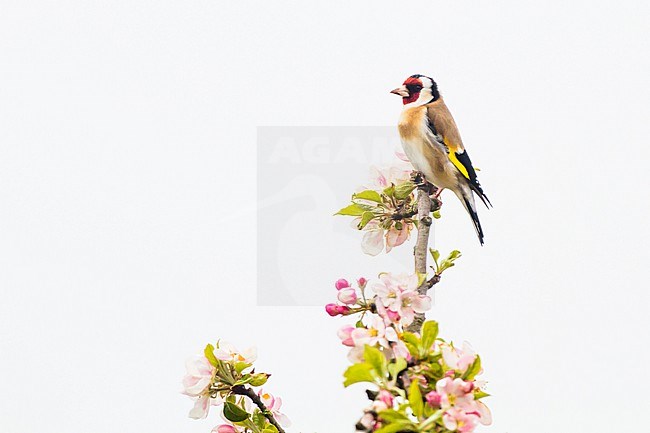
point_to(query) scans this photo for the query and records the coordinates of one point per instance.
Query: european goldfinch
(432, 143)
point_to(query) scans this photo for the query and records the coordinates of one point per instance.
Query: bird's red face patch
(414, 86)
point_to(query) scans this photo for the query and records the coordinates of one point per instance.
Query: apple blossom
(228, 352)
(456, 392)
(456, 419)
(377, 333)
(224, 428)
(345, 335)
(398, 299)
(341, 284)
(385, 397)
(347, 296)
(274, 404)
(396, 237)
(199, 376)
(458, 359)
(434, 399)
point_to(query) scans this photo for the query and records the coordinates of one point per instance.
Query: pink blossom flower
(399, 297)
(396, 237)
(410, 303)
(456, 393)
(372, 242)
(395, 173)
(362, 282)
(433, 398)
(355, 355)
(196, 384)
(345, 334)
(386, 398)
(202, 406)
(224, 428)
(458, 359)
(199, 376)
(485, 416)
(368, 421)
(456, 419)
(347, 296)
(228, 352)
(375, 237)
(377, 333)
(274, 404)
(400, 350)
(341, 284)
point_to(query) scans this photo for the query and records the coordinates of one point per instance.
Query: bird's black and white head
(417, 90)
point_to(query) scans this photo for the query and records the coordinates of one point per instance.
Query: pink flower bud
(386, 398)
(342, 309)
(393, 315)
(341, 284)
(433, 398)
(332, 309)
(347, 296)
(362, 282)
(345, 334)
(468, 387)
(224, 428)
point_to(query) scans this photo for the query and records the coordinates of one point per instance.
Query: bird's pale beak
(401, 91)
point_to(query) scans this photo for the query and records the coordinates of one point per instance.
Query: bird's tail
(467, 198)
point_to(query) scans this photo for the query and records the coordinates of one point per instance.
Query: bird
(432, 143)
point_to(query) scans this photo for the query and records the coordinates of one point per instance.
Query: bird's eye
(414, 88)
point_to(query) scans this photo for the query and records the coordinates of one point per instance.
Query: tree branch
(422, 249)
(248, 392)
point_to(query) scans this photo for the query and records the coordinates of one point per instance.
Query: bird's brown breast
(411, 122)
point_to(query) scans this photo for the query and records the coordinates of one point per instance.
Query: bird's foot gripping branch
(420, 382)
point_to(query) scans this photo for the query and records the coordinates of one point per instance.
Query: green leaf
(421, 278)
(429, 334)
(392, 415)
(244, 380)
(415, 399)
(480, 394)
(435, 254)
(234, 413)
(351, 210)
(270, 428)
(365, 219)
(449, 261)
(436, 214)
(209, 354)
(241, 366)
(259, 379)
(411, 338)
(361, 372)
(394, 368)
(403, 190)
(390, 191)
(258, 419)
(368, 194)
(376, 359)
(473, 369)
(397, 427)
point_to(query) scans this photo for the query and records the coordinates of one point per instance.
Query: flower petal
(372, 242)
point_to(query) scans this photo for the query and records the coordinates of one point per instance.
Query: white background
(127, 228)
